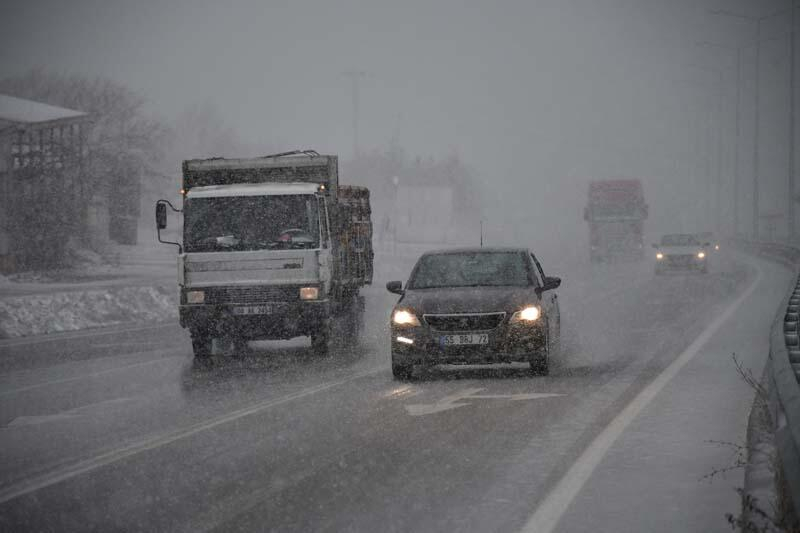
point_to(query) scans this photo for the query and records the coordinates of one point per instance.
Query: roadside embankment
(38, 314)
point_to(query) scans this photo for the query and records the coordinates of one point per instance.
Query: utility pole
(756, 130)
(792, 120)
(355, 77)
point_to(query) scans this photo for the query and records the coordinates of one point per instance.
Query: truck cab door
(325, 253)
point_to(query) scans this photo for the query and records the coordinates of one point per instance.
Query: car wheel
(401, 371)
(540, 362)
(201, 345)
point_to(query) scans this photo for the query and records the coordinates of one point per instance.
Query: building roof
(21, 111)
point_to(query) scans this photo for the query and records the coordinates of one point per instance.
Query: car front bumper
(681, 262)
(506, 344)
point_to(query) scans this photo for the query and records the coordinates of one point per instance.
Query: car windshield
(679, 240)
(470, 269)
(236, 223)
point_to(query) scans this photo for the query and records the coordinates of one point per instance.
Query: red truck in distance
(616, 212)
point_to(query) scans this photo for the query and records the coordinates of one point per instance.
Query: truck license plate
(252, 310)
(464, 339)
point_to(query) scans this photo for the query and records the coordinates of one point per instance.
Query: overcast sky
(538, 96)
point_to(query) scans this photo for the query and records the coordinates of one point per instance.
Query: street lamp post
(716, 186)
(757, 125)
(738, 129)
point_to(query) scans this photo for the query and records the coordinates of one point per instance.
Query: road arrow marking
(460, 399)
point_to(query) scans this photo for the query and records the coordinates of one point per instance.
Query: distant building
(42, 153)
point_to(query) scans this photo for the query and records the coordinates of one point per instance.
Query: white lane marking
(459, 399)
(87, 465)
(40, 419)
(79, 334)
(549, 512)
(35, 420)
(88, 376)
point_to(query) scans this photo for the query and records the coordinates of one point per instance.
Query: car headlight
(195, 297)
(529, 314)
(402, 317)
(716, 246)
(701, 255)
(659, 256)
(309, 293)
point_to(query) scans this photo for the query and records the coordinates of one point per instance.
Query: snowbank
(68, 311)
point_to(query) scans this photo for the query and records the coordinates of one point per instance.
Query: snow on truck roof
(257, 162)
(252, 189)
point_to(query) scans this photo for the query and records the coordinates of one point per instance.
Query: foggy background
(536, 98)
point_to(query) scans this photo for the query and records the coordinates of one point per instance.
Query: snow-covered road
(119, 428)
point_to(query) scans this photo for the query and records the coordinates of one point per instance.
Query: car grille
(464, 322)
(248, 295)
(680, 259)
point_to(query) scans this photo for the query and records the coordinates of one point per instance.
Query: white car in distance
(681, 252)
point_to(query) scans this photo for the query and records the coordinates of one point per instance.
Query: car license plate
(464, 339)
(252, 309)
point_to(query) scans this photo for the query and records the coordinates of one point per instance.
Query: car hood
(469, 299)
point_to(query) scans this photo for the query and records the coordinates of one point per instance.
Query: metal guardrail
(783, 372)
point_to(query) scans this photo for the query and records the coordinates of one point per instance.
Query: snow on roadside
(68, 311)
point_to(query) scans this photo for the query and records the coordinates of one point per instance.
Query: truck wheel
(201, 345)
(240, 346)
(321, 339)
(401, 371)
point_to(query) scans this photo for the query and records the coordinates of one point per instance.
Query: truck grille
(464, 322)
(250, 295)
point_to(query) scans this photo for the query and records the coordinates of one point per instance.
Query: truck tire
(201, 345)
(321, 339)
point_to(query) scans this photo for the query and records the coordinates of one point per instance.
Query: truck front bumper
(269, 320)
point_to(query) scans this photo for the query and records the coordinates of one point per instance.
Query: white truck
(273, 248)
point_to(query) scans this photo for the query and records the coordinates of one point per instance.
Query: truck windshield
(237, 223)
(611, 211)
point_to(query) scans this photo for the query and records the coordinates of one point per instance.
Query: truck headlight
(401, 317)
(701, 255)
(659, 256)
(309, 293)
(529, 314)
(195, 297)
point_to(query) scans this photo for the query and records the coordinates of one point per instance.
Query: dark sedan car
(475, 306)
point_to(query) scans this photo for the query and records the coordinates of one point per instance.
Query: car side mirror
(395, 287)
(161, 216)
(551, 283)
(655, 246)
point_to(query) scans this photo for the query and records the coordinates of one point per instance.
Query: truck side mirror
(395, 287)
(161, 216)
